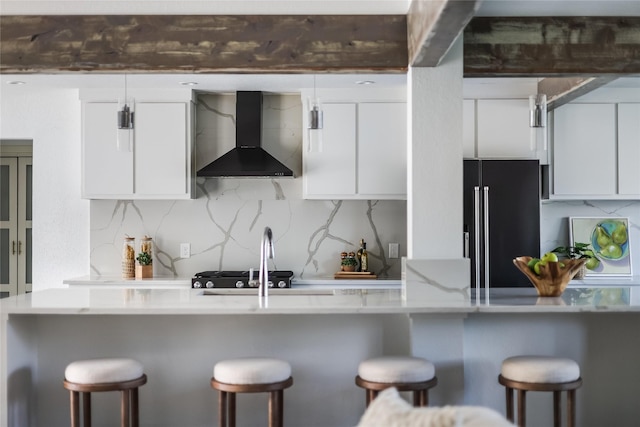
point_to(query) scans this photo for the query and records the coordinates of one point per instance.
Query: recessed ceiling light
(365, 82)
(188, 83)
(16, 82)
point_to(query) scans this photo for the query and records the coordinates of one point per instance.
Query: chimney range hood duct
(248, 159)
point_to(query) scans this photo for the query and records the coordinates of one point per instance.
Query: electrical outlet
(185, 250)
(394, 250)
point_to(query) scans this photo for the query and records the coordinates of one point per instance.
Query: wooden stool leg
(556, 408)
(222, 408)
(74, 396)
(522, 407)
(509, 400)
(275, 408)
(420, 398)
(135, 408)
(231, 406)
(86, 409)
(370, 397)
(571, 408)
(124, 408)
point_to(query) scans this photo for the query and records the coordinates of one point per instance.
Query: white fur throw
(389, 409)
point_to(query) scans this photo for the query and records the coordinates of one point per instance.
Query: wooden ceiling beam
(433, 26)
(551, 46)
(203, 43)
(561, 90)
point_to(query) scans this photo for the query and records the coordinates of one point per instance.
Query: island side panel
(19, 367)
(179, 351)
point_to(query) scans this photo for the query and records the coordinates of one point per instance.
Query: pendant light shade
(538, 110)
(538, 122)
(125, 121)
(315, 122)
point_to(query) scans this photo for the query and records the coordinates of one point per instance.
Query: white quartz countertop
(85, 301)
(161, 282)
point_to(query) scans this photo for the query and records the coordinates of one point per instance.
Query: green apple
(549, 257)
(536, 268)
(592, 263)
(532, 263)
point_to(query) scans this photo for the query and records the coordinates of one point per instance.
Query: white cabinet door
(106, 171)
(584, 150)
(161, 148)
(503, 129)
(629, 149)
(330, 171)
(382, 149)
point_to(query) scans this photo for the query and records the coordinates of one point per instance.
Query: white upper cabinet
(503, 129)
(158, 161)
(363, 154)
(584, 150)
(596, 151)
(629, 149)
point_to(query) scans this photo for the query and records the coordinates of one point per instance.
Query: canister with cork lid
(144, 265)
(128, 258)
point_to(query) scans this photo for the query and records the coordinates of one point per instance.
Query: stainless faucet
(266, 252)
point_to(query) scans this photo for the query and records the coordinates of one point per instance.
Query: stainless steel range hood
(248, 159)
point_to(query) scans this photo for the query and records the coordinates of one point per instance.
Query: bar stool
(98, 375)
(251, 375)
(405, 373)
(540, 373)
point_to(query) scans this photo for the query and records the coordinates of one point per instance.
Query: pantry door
(15, 225)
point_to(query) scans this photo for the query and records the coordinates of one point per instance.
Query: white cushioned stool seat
(540, 369)
(251, 370)
(100, 371)
(395, 369)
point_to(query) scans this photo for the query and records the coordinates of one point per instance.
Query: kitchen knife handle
(486, 238)
(476, 218)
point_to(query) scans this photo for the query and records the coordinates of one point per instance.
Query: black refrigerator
(501, 219)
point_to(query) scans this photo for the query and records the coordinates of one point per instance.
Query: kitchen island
(178, 334)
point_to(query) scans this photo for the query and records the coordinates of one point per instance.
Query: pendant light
(315, 122)
(125, 120)
(538, 121)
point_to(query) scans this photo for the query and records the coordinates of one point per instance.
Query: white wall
(51, 118)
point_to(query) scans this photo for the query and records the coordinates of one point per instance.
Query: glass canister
(144, 266)
(129, 258)
(145, 254)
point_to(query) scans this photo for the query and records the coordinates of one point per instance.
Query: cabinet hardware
(19, 247)
(13, 247)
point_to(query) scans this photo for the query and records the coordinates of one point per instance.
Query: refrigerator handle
(476, 219)
(485, 200)
(465, 244)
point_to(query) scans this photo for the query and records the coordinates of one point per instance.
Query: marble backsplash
(555, 222)
(225, 234)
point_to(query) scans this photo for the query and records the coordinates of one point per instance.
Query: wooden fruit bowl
(553, 279)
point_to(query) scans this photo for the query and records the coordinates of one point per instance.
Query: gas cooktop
(240, 279)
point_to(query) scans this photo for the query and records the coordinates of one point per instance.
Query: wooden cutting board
(350, 275)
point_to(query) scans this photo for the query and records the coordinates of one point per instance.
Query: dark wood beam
(203, 44)
(552, 46)
(561, 90)
(434, 25)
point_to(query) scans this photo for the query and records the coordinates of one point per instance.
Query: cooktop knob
(281, 284)
(270, 283)
(197, 284)
(209, 284)
(239, 284)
